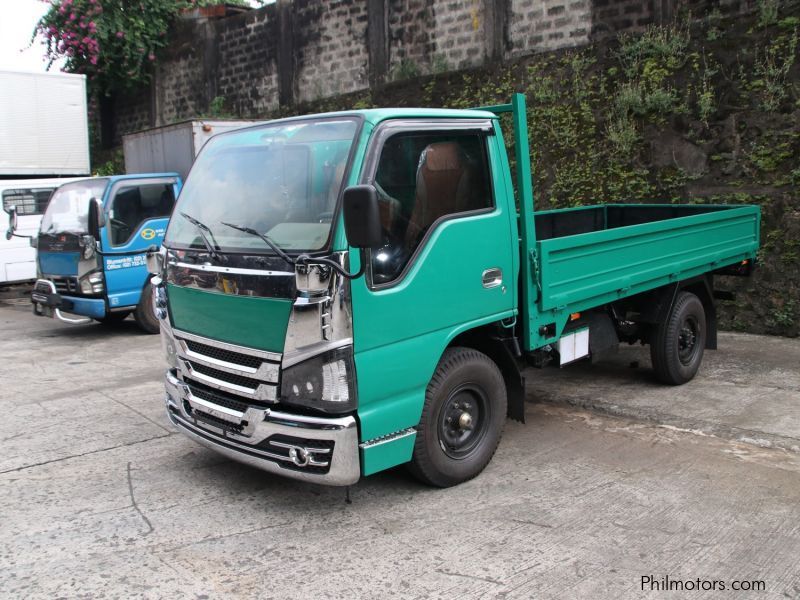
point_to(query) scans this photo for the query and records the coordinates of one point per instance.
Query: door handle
(492, 278)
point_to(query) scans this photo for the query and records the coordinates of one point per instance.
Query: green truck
(343, 293)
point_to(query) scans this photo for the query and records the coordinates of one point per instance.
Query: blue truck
(92, 244)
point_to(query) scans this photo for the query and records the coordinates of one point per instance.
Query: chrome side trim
(322, 311)
(228, 270)
(301, 354)
(272, 356)
(385, 439)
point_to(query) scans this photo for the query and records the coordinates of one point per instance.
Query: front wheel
(677, 348)
(462, 420)
(144, 314)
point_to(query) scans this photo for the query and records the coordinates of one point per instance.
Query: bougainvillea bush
(112, 42)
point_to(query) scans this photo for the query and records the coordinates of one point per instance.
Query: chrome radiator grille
(66, 285)
(244, 373)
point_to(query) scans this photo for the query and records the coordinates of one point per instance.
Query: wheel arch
(496, 342)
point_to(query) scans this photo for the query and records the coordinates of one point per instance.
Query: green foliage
(714, 31)
(112, 42)
(771, 68)
(405, 69)
(114, 165)
(439, 64)
(767, 12)
(657, 51)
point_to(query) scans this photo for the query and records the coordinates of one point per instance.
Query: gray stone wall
(296, 51)
(245, 67)
(331, 48)
(459, 34)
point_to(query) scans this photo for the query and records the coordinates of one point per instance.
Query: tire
(114, 318)
(451, 448)
(144, 314)
(677, 348)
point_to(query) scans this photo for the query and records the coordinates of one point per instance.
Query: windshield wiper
(265, 239)
(303, 259)
(213, 249)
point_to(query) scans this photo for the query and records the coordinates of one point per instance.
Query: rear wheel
(677, 348)
(144, 314)
(462, 420)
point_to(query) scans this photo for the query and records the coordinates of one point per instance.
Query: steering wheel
(121, 226)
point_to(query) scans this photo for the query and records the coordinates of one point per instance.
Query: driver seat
(442, 188)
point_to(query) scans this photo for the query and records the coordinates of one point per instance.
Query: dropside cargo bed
(589, 256)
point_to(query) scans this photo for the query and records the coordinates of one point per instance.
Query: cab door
(446, 265)
(137, 213)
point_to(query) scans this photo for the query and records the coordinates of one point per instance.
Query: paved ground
(747, 390)
(99, 498)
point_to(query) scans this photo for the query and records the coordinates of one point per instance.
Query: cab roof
(376, 115)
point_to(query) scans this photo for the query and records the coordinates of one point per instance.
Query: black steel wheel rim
(463, 421)
(687, 340)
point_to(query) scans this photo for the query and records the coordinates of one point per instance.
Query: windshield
(281, 180)
(68, 210)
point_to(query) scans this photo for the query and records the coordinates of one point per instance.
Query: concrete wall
(304, 50)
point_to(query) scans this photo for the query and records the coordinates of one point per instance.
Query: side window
(32, 201)
(135, 204)
(422, 177)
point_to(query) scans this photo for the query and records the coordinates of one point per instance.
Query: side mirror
(362, 221)
(155, 260)
(97, 219)
(12, 221)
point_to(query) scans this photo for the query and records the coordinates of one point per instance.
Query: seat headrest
(442, 156)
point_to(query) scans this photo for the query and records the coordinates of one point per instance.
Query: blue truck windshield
(68, 211)
(283, 180)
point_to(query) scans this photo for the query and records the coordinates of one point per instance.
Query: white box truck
(172, 147)
(44, 142)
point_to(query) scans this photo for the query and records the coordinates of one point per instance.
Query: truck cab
(92, 244)
(375, 283)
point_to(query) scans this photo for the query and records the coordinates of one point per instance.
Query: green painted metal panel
(383, 456)
(590, 266)
(401, 332)
(243, 320)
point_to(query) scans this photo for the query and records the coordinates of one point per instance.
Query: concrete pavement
(747, 390)
(100, 498)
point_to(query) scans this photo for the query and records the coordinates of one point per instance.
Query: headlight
(326, 382)
(93, 283)
(159, 298)
(168, 345)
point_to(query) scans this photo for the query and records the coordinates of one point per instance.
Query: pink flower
(92, 26)
(72, 16)
(151, 56)
(93, 60)
(120, 34)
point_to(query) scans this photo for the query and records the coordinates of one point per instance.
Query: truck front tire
(677, 347)
(144, 313)
(462, 420)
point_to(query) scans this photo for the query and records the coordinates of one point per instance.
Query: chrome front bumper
(321, 450)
